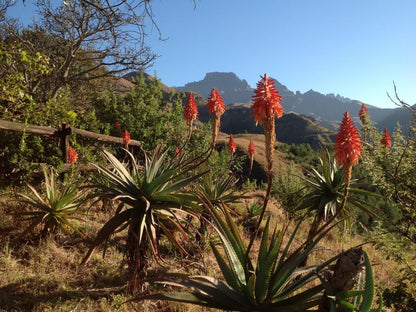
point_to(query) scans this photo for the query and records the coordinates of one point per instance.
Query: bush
(288, 188)
(144, 112)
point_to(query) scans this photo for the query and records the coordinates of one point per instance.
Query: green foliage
(250, 215)
(152, 202)
(221, 164)
(250, 185)
(21, 153)
(402, 297)
(325, 190)
(16, 66)
(275, 282)
(287, 188)
(20, 156)
(144, 112)
(56, 207)
(220, 189)
(299, 153)
(394, 169)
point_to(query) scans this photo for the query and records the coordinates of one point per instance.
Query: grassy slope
(46, 276)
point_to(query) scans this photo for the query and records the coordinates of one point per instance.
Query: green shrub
(288, 188)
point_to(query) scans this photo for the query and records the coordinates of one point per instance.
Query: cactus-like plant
(153, 202)
(56, 207)
(274, 282)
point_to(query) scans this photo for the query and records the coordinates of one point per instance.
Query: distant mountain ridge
(231, 88)
(292, 128)
(309, 117)
(327, 110)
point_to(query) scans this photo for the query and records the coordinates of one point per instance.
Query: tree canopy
(84, 40)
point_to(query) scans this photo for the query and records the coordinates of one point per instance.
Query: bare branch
(87, 39)
(397, 101)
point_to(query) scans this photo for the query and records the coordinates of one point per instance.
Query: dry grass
(45, 275)
(242, 141)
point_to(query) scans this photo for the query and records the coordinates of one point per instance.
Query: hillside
(327, 110)
(292, 128)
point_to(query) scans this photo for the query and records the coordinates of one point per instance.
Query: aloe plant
(221, 189)
(56, 207)
(325, 193)
(218, 190)
(152, 203)
(275, 282)
(249, 218)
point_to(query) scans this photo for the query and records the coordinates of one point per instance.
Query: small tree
(86, 40)
(393, 168)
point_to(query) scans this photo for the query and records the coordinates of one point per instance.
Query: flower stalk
(215, 108)
(365, 120)
(251, 151)
(386, 140)
(72, 155)
(126, 138)
(191, 112)
(266, 107)
(348, 148)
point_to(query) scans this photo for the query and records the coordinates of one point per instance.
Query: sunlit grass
(45, 275)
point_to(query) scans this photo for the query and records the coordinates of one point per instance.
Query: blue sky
(347, 47)
(354, 48)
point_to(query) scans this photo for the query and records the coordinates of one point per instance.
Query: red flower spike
(267, 100)
(265, 108)
(117, 125)
(348, 144)
(231, 145)
(363, 114)
(190, 113)
(72, 155)
(386, 140)
(216, 108)
(251, 149)
(215, 103)
(126, 137)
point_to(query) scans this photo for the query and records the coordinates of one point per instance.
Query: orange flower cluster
(231, 145)
(265, 108)
(266, 100)
(72, 155)
(215, 103)
(348, 144)
(386, 140)
(363, 114)
(216, 108)
(126, 137)
(190, 113)
(251, 149)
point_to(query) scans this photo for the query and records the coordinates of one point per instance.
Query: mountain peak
(327, 109)
(311, 91)
(231, 87)
(283, 90)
